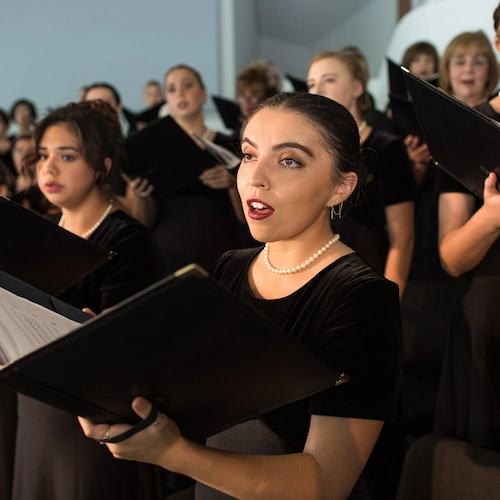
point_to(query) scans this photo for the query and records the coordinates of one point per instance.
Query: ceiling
(278, 18)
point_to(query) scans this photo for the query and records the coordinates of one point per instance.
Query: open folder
(166, 155)
(43, 254)
(462, 141)
(211, 360)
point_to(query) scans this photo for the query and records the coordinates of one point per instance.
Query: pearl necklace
(302, 266)
(86, 234)
(362, 126)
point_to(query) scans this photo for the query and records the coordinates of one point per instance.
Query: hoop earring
(338, 213)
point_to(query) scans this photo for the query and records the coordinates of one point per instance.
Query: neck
(24, 130)
(290, 253)
(79, 219)
(473, 101)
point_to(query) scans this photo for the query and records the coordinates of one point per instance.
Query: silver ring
(105, 437)
(158, 419)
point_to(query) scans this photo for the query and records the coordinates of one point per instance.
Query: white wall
(291, 58)
(51, 48)
(370, 29)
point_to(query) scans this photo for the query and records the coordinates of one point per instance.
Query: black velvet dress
(54, 460)
(469, 392)
(196, 224)
(350, 317)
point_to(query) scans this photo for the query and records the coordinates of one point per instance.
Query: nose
(258, 173)
(314, 88)
(47, 166)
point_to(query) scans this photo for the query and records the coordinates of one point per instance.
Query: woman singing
(301, 157)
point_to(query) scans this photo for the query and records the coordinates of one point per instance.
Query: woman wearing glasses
(469, 396)
(469, 69)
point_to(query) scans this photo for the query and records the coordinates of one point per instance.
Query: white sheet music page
(26, 326)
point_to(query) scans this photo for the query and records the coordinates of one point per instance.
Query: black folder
(404, 117)
(299, 84)
(229, 111)
(397, 82)
(403, 114)
(166, 155)
(23, 289)
(148, 115)
(209, 359)
(462, 141)
(41, 253)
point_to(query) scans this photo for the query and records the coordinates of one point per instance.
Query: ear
(358, 88)
(343, 189)
(205, 95)
(496, 41)
(108, 163)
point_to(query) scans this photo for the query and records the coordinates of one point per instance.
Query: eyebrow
(62, 148)
(283, 145)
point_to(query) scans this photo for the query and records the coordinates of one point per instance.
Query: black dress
(196, 224)
(54, 460)
(350, 317)
(469, 393)
(390, 181)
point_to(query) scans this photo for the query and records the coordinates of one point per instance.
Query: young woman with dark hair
(75, 163)
(301, 158)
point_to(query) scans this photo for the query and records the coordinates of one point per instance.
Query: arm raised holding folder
(300, 158)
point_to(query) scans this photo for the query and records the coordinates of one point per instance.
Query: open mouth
(258, 209)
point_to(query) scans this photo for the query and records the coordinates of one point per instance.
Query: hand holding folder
(461, 141)
(207, 358)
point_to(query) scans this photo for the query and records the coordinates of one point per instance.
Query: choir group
(401, 301)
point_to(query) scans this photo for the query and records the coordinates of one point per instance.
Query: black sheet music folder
(212, 360)
(166, 155)
(41, 253)
(229, 111)
(462, 141)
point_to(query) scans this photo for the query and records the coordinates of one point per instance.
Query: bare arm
(333, 458)
(400, 226)
(465, 236)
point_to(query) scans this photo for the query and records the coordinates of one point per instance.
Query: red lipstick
(259, 210)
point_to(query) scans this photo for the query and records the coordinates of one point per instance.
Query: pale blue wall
(50, 48)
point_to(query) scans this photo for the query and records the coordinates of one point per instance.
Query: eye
(247, 157)
(67, 157)
(330, 80)
(170, 89)
(290, 163)
(42, 156)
